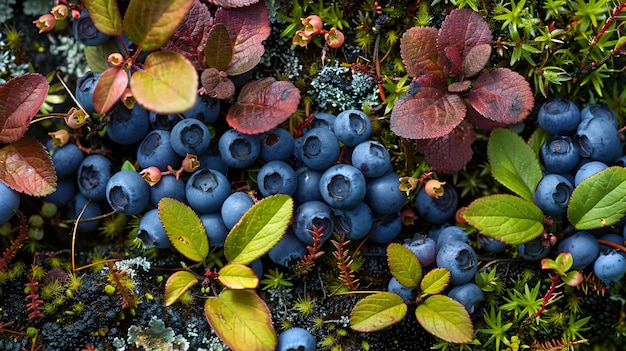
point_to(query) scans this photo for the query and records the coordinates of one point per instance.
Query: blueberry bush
(303, 175)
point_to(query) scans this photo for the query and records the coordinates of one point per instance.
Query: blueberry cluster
(446, 246)
(582, 143)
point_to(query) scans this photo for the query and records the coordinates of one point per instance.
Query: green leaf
(598, 201)
(505, 217)
(513, 162)
(97, 56)
(149, 24)
(177, 284)
(435, 281)
(242, 320)
(153, 87)
(404, 265)
(537, 139)
(184, 229)
(105, 16)
(259, 229)
(238, 276)
(446, 319)
(218, 50)
(377, 312)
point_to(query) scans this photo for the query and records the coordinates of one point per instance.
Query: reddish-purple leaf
(418, 49)
(454, 58)
(192, 34)
(20, 99)
(502, 95)
(110, 88)
(25, 166)
(216, 85)
(248, 27)
(232, 3)
(476, 59)
(450, 153)
(427, 110)
(262, 105)
(459, 87)
(462, 29)
(479, 121)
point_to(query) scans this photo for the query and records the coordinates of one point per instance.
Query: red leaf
(502, 95)
(232, 3)
(476, 59)
(459, 87)
(111, 85)
(262, 105)
(25, 166)
(191, 37)
(20, 99)
(418, 49)
(248, 27)
(462, 29)
(427, 110)
(216, 86)
(479, 121)
(450, 153)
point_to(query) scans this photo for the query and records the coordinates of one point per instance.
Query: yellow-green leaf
(177, 284)
(242, 320)
(598, 201)
(446, 319)
(169, 83)
(149, 24)
(259, 229)
(184, 229)
(238, 276)
(377, 312)
(105, 16)
(435, 281)
(404, 265)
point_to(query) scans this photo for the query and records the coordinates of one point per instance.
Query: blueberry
(92, 176)
(308, 188)
(559, 116)
(234, 207)
(599, 110)
(583, 246)
(424, 248)
(239, 150)
(163, 122)
(491, 244)
(288, 250)
(587, 170)
(128, 126)
(277, 177)
(610, 267)
(86, 32)
(613, 238)
(168, 186)
(66, 159)
(552, 194)
(533, 250)
(10, 202)
(190, 136)
(343, 186)
(386, 228)
(277, 144)
(206, 110)
(437, 210)
(371, 158)
(352, 127)
(309, 214)
(406, 293)
(206, 190)
(156, 150)
(470, 296)
(296, 339)
(319, 148)
(216, 230)
(257, 267)
(66, 189)
(558, 154)
(355, 223)
(599, 140)
(91, 209)
(85, 86)
(451, 233)
(323, 119)
(460, 259)
(151, 231)
(383, 194)
(127, 192)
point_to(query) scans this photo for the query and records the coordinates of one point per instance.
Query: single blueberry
(156, 150)
(437, 210)
(319, 148)
(127, 192)
(277, 177)
(206, 190)
(92, 176)
(460, 259)
(352, 127)
(552, 194)
(239, 150)
(128, 126)
(9, 204)
(151, 231)
(355, 223)
(559, 116)
(296, 339)
(343, 186)
(277, 144)
(312, 214)
(371, 158)
(583, 247)
(383, 194)
(190, 136)
(234, 207)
